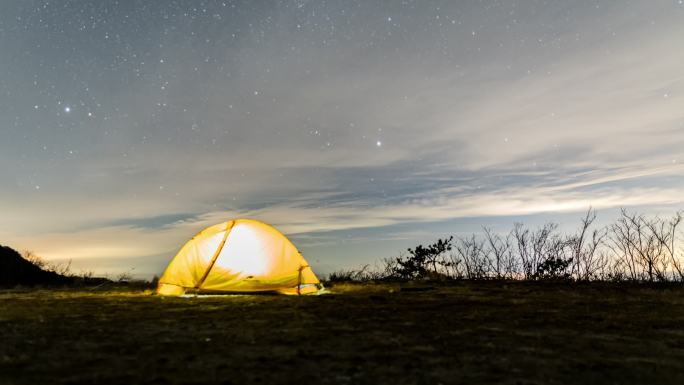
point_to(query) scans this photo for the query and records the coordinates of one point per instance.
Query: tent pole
(299, 281)
(229, 227)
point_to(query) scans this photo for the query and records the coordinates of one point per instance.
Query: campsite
(468, 332)
(341, 192)
(249, 326)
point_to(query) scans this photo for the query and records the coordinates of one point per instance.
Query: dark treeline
(633, 248)
(31, 270)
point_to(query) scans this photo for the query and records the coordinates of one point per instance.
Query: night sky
(358, 128)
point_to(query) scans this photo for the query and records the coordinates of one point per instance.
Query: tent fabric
(243, 255)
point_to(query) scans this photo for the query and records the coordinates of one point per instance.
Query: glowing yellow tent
(242, 255)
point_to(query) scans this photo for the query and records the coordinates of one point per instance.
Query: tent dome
(242, 255)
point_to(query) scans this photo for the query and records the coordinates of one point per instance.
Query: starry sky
(358, 128)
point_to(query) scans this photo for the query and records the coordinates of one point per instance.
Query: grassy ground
(477, 332)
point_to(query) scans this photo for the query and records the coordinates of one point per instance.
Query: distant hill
(15, 271)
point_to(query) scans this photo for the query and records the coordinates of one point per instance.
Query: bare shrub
(471, 255)
(588, 262)
(634, 247)
(387, 269)
(348, 275)
(635, 243)
(85, 274)
(499, 252)
(125, 277)
(34, 258)
(665, 231)
(61, 268)
(532, 246)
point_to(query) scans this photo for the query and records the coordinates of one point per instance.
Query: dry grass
(469, 332)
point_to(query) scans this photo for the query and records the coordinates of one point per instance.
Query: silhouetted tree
(553, 268)
(423, 260)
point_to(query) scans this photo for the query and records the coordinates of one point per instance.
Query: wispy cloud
(362, 124)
